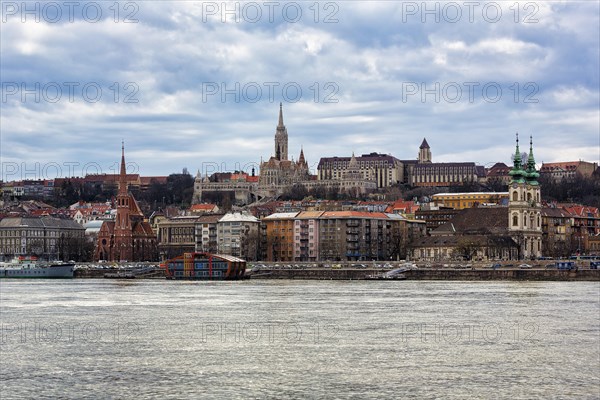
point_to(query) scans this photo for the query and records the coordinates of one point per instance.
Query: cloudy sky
(198, 84)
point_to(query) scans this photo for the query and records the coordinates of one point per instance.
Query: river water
(147, 339)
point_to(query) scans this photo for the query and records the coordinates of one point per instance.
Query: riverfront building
(46, 237)
(512, 232)
(460, 201)
(338, 236)
(129, 237)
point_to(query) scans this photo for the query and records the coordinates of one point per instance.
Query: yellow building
(460, 201)
(280, 236)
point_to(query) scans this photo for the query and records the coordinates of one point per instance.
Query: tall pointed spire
(532, 173)
(517, 160)
(281, 138)
(517, 173)
(280, 124)
(301, 159)
(123, 174)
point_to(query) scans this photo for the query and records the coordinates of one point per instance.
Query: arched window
(524, 219)
(515, 220)
(529, 196)
(515, 196)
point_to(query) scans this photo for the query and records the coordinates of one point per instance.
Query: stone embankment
(435, 274)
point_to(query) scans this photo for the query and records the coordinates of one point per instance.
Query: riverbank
(416, 274)
(436, 274)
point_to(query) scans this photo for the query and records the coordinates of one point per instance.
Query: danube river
(155, 339)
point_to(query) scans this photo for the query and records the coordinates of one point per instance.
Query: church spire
(123, 174)
(280, 124)
(301, 159)
(517, 173)
(281, 138)
(532, 173)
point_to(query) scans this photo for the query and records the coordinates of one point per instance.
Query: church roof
(424, 144)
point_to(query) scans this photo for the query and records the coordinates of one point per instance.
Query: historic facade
(381, 169)
(427, 173)
(46, 237)
(129, 237)
(278, 170)
(493, 233)
(524, 205)
(424, 152)
(279, 173)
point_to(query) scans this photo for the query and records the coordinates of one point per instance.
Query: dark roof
(40, 222)
(479, 220)
(424, 145)
(446, 164)
(498, 169)
(409, 161)
(364, 157)
(555, 213)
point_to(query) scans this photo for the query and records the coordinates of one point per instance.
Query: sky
(197, 85)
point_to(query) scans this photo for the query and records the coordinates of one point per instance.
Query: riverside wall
(417, 274)
(436, 274)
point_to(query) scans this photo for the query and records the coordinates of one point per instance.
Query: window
(515, 220)
(515, 196)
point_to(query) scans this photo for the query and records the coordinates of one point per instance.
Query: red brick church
(128, 237)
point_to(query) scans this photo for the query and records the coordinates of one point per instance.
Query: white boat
(28, 267)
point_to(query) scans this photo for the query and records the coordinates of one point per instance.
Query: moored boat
(205, 266)
(28, 267)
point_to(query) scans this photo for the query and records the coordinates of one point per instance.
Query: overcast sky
(192, 84)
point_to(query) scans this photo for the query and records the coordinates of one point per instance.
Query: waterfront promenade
(345, 271)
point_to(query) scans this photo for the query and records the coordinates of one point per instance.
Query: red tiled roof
(147, 180)
(560, 166)
(353, 214)
(202, 207)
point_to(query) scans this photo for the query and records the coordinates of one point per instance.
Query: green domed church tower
(524, 205)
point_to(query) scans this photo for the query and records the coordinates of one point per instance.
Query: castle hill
(356, 216)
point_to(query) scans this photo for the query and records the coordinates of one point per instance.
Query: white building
(237, 235)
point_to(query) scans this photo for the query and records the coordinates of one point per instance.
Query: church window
(515, 196)
(515, 220)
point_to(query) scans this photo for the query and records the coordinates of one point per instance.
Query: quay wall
(418, 274)
(436, 274)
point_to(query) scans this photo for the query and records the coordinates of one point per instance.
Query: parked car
(524, 266)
